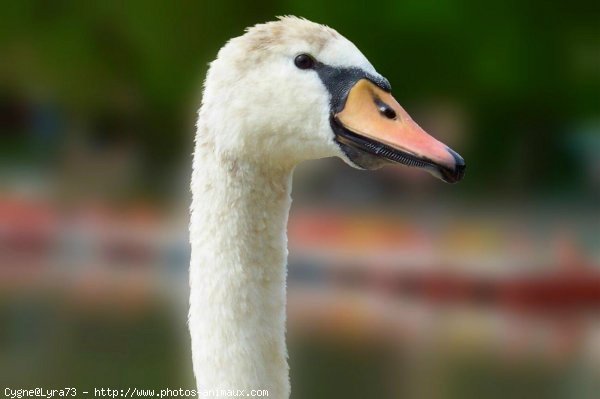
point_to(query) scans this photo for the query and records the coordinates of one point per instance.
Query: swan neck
(237, 273)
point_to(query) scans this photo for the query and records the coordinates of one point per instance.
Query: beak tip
(457, 173)
(458, 160)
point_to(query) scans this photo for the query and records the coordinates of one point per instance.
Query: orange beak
(386, 130)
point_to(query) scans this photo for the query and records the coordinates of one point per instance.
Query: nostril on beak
(385, 109)
(389, 113)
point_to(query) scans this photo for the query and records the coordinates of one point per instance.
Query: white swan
(284, 92)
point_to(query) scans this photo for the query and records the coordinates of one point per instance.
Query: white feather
(260, 116)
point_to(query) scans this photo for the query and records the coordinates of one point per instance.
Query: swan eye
(304, 61)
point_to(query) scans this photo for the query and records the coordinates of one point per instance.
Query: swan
(284, 92)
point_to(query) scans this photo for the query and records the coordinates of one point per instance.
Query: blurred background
(400, 286)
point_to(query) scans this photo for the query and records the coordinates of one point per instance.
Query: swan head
(292, 90)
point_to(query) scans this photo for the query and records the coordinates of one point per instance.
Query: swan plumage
(262, 113)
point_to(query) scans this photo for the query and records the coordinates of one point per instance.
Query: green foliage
(525, 72)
